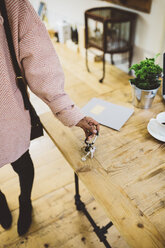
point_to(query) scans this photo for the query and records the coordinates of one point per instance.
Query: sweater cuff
(70, 116)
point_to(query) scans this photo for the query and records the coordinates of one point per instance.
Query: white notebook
(106, 113)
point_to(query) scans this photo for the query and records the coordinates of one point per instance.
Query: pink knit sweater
(38, 59)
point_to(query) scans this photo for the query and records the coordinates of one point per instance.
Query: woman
(39, 62)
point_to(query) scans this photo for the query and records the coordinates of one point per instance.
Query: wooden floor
(56, 223)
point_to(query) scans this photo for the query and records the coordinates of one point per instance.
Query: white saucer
(153, 129)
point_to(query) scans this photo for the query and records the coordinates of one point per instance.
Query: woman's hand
(90, 126)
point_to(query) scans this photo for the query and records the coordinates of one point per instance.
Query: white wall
(150, 29)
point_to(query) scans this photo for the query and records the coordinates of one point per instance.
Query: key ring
(90, 148)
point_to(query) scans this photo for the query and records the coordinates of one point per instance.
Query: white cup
(158, 123)
(161, 119)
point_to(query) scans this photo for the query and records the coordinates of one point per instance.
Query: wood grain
(130, 221)
(127, 174)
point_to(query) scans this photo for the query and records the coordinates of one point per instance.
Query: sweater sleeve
(42, 67)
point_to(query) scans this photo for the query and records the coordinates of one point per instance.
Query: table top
(126, 175)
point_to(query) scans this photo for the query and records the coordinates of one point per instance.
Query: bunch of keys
(89, 148)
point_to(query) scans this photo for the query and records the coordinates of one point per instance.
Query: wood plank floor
(56, 223)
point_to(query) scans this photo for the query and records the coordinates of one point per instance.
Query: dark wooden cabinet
(111, 30)
(142, 5)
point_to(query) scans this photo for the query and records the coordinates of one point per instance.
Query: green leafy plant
(147, 74)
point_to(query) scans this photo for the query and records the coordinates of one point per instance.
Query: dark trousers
(25, 170)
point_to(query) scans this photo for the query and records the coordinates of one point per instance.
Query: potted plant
(146, 82)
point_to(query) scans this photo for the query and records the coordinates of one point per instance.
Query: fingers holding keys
(91, 130)
(90, 127)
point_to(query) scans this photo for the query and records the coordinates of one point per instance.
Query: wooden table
(126, 175)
